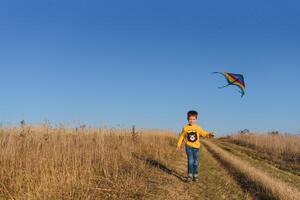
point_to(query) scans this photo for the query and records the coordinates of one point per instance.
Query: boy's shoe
(196, 179)
(189, 179)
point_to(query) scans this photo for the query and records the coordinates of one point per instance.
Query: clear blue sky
(119, 63)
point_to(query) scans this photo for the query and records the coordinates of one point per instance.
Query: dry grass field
(47, 163)
(280, 149)
(41, 162)
(256, 179)
(268, 164)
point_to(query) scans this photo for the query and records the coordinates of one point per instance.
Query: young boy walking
(191, 134)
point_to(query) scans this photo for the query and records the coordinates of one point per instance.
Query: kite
(234, 79)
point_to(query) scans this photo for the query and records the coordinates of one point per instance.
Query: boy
(191, 134)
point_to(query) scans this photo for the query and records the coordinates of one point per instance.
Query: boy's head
(192, 117)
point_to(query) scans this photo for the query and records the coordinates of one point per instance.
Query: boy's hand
(177, 148)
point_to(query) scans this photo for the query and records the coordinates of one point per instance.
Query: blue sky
(119, 63)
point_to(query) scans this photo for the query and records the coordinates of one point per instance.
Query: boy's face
(192, 120)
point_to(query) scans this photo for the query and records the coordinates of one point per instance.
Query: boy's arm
(181, 137)
(203, 132)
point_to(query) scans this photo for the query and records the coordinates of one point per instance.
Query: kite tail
(224, 76)
(242, 93)
(224, 86)
(218, 73)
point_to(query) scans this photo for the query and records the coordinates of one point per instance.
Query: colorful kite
(234, 79)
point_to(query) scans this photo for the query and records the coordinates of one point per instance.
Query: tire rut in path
(215, 182)
(261, 164)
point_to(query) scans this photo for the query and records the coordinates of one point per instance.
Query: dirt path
(264, 165)
(215, 182)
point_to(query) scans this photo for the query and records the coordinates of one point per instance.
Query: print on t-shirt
(192, 136)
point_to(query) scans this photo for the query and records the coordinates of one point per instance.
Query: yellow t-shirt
(191, 135)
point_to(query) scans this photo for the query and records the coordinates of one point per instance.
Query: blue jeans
(193, 160)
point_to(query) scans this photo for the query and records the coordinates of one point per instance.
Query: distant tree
(274, 133)
(245, 131)
(22, 123)
(83, 126)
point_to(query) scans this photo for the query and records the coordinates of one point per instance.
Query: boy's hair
(192, 113)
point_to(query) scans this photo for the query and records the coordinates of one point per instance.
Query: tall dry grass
(279, 146)
(273, 188)
(61, 163)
